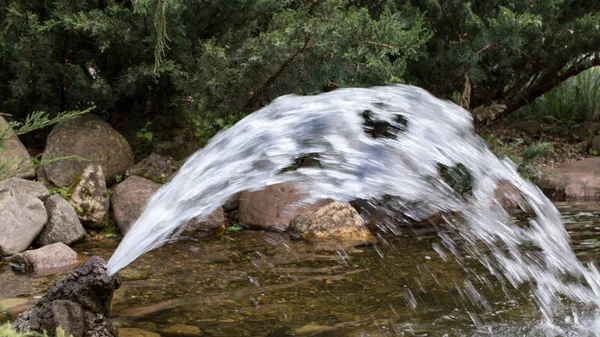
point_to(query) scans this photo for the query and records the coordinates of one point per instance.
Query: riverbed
(254, 283)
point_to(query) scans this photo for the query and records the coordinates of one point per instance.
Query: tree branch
(443, 10)
(491, 44)
(384, 45)
(544, 85)
(261, 90)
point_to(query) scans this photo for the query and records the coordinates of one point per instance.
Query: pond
(253, 283)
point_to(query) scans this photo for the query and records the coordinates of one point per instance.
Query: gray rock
(15, 155)
(29, 187)
(79, 304)
(129, 199)
(47, 260)
(154, 167)
(215, 220)
(63, 224)
(90, 197)
(90, 138)
(23, 218)
(271, 208)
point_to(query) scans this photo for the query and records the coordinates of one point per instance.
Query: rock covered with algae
(78, 303)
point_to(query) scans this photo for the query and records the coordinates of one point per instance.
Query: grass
(7, 330)
(575, 101)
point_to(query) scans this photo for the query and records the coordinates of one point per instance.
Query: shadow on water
(264, 284)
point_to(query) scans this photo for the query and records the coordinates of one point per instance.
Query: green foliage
(457, 177)
(234, 228)
(524, 159)
(7, 330)
(144, 133)
(211, 62)
(575, 101)
(503, 51)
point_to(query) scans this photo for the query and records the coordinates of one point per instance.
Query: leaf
(235, 228)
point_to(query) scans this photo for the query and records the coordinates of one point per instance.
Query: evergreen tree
(504, 51)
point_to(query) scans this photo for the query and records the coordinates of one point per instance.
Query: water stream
(422, 133)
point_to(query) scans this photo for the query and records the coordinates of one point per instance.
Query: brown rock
(335, 220)
(50, 259)
(508, 196)
(578, 180)
(92, 139)
(270, 208)
(215, 220)
(129, 199)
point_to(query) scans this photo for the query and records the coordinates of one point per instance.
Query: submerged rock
(90, 197)
(129, 199)
(333, 221)
(29, 187)
(92, 139)
(271, 208)
(79, 304)
(50, 259)
(134, 332)
(23, 218)
(63, 224)
(183, 330)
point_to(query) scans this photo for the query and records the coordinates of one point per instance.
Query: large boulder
(272, 207)
(213, 221)
(90, 197)
(129, 199)
(63, 224)
(578, 180)
(23, 218)
(154, 167)
(333, 221)
(89, 138)
(47, 260)
(79, 304)
(15, 156)
(29, 187)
